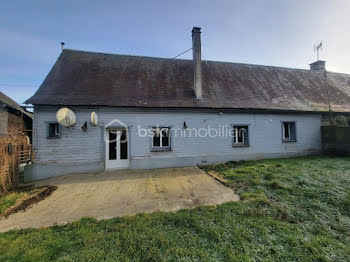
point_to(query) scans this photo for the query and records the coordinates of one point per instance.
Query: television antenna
(317, 49)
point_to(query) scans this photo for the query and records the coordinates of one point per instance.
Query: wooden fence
(11, 156)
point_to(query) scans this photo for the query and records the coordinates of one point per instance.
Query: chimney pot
(197, 61)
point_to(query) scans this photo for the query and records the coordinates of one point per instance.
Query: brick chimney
(318, 65)
(197, 61)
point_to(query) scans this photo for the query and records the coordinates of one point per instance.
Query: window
(118, 143)
(288, 132)
(240, 136)
(123, 145)
(112, 145)
(161, 139)
(53, 130)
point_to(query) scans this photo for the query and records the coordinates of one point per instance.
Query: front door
(117, 155)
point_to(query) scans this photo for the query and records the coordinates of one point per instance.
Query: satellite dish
(66, 117)
(94, 119)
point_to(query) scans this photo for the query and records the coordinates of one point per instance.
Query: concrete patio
(118, 193)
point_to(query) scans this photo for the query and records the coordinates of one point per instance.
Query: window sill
(240, 145)
(161, 149)
(289, 140)
(53, 137)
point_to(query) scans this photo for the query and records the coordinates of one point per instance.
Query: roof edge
(194, 108)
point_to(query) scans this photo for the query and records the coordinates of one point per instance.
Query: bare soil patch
(26, 202)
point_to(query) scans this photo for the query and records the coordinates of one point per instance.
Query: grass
(295, 209)
(7, 200)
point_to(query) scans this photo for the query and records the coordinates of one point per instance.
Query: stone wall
(3, 121)
(12, 139)
(336, 140)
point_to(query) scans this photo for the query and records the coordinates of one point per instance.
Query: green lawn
(295, 209)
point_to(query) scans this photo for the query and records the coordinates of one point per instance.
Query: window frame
(292, 131)
(48, 130)
(246, 139)
(161, 148)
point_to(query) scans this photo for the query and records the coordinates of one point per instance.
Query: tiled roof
(98, 79)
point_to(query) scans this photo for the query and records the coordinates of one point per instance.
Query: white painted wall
(76, 147)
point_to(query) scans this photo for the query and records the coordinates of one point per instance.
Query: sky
(267, 32)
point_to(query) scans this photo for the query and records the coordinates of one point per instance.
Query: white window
(53, 130)
(240, 136)
(288, 131)
(161, 139)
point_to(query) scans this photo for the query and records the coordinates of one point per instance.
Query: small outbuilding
(15, 139)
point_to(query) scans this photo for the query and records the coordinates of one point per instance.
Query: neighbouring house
(161, 112)
(15, 122)
(15, 135)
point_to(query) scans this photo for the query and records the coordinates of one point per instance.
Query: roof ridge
(13, 102)
(114, 54)
(206, 61)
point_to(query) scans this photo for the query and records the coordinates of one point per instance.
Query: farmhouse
(161, 112)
